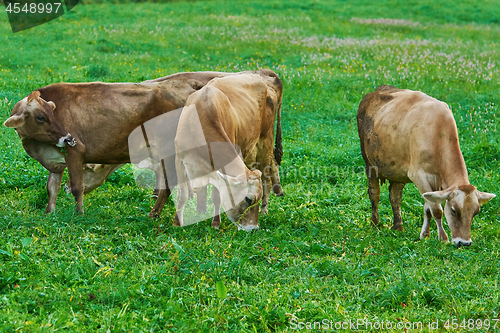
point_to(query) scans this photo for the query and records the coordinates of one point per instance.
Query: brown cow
(99, 117)
(234, 112)
(409, 137)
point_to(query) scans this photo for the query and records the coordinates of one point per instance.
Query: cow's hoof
(278, 190)
(263, 210)
(153, 214)
(176, 221)
(215, 224)
(398, 227)
(425, 235)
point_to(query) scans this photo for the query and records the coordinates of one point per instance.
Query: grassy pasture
(316, 256)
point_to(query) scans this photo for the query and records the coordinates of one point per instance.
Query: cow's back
(229, 110)
(102, 115)
(401, 129)
(236, 102)
(201, 77)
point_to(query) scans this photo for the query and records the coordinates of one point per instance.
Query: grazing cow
(409, 137)
(235, 113)
(71, 124)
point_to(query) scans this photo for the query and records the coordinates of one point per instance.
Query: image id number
(33, 8)
(470, 324)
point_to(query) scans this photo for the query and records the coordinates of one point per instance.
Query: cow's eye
(40, 118)
(453, 211)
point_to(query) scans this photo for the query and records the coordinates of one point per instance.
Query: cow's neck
(453, 169)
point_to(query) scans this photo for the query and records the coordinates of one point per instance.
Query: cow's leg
(374, 194)
(182, 190)
(53, 187)
(266, 191)
(216, 202)
(162, 190)
(201, 200)
(264, 164)
(437, 213)
(275, 177)
(421, 179)
(74, 162)
(395, 196)
(427, 222)
(158, 184)
(182, 198)
(161, 200)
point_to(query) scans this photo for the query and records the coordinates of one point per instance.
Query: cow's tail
(278, 146)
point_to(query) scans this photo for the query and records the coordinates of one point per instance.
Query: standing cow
(70, 124)
(409, 137)
(235, 129)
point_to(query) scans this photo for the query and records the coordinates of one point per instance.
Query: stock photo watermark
(26, 14)
(360, 324)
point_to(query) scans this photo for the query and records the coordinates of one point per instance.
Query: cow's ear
(437, 196)
(255, 175)
(52, 105)
(15, 121)
(484, 197)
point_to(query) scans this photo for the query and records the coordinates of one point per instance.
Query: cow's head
(246, 195)
(33, 117)
(462, 204)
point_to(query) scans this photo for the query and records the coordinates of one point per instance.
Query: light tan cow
(235, 113)
(409, 137)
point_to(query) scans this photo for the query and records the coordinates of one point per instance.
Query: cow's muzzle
(68, 139)
(460, 242)
(248, 228)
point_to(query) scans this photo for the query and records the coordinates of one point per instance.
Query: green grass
(316, 256)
